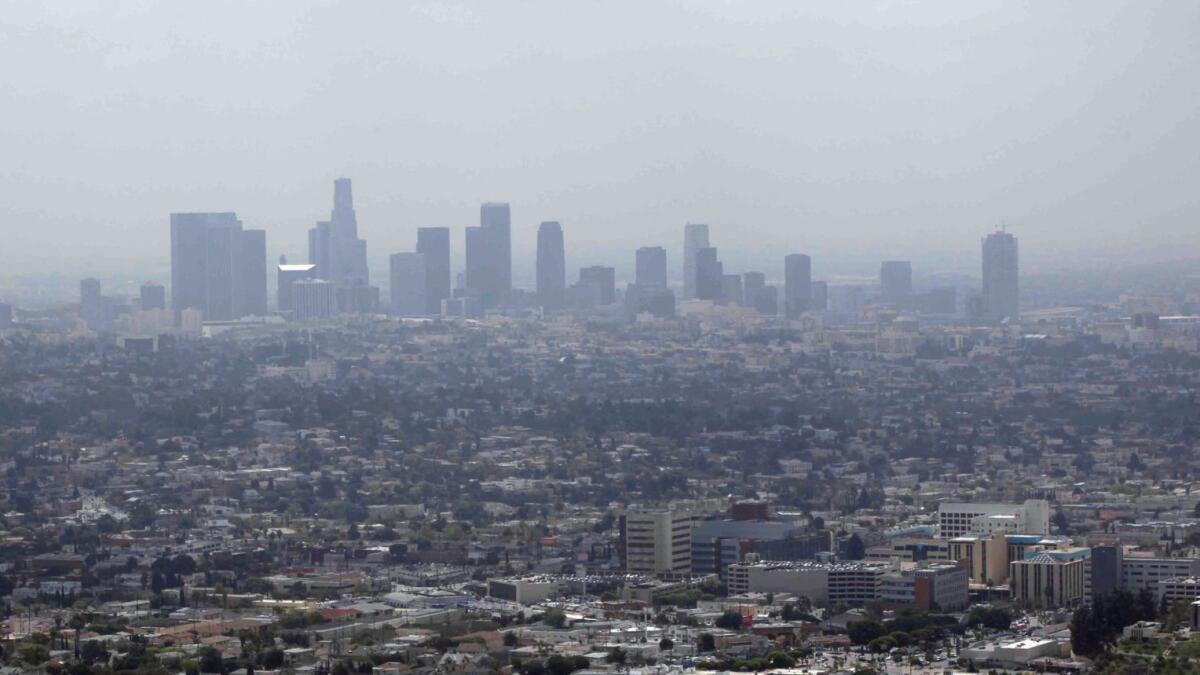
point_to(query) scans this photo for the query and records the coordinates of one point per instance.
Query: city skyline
(979, 130)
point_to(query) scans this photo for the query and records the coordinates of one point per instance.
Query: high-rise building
(217, 267)
(408, 275)
(820, 296)
(153, 296)
(489, 256)
(731, 289)
(895, 281)
(1000, 294)
(250, 268)
(314, 299)
(1049, 579)
(551, 266)
(656, 542)
(434, 244)
(797, 285)
(651, 267)
(91, 302)
(766, 300)
(752, 285)
(695, 238)
(1106, 569)
(285, 276)
(497, 218)
(334, 246)
(601, 282)
(710, 274)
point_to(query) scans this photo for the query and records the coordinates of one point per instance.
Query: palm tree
(77, 623)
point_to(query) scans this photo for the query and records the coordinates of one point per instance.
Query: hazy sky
(853, 131)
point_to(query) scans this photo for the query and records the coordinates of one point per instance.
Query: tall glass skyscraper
(217, 267)
(797, 285)
(551, 266)
(695, 237)
(489, 256)
(1001, 299)
(434, 244)
(651, 267)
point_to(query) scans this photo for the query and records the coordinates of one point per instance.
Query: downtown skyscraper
(1001, 299)
(797, 285)
(551, 266)
(650, 269)
(217, 267)
(407, 275)
(695, 237)
(334, 246)
(434, 244)
(489, 256)
(895, 281)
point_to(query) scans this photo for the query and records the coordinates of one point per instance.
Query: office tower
(551, 266)
(285, 276)
(1050, 579)
(334, 246)
(497, 218)
(651, 266)
(695, 237)
(343, 215)
(895, 281)
(709, 274)
(657, 541)
(153, 296)
(6, 315)
(820, 296)
(314, 299)
(91, 302)
(602, 282)
(217, 267)
(766, 300)
(250, 268)
(434, 244)
(1106, 569)
(797, 285)
(752, 285)
(731, 289)
(489, 256)
(357, 298)
(408, 273)
(1000, 293)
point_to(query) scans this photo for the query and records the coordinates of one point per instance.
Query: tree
(855, 548)
(779, 659)
(211, 661)
(882, 644)
(729, 620)
(995, 618)
(863, 632)
(271, 659)
(616, 656)
(93, 651)
(707, 642)
(666, 644)
(555, 617)
(511, 639)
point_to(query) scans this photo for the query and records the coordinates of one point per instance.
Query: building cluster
(487, 477)
(668, 492)
(219, 276)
